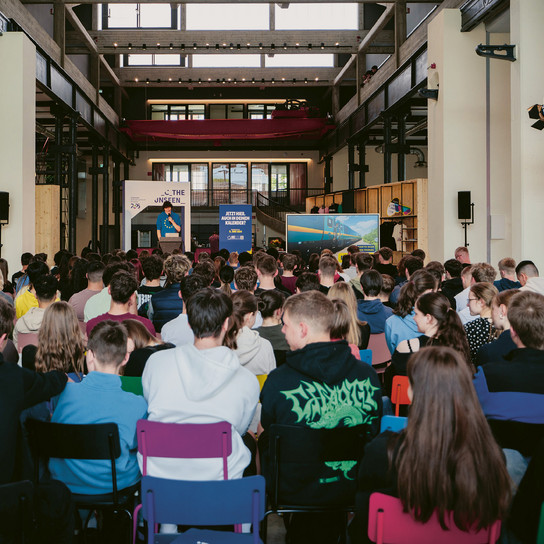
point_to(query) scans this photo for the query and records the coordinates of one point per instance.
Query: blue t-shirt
(164, 225)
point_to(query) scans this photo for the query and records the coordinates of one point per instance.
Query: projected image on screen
(310, 233)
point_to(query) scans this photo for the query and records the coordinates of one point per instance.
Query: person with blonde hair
(359, 331)
(481, 330)
(445, 460)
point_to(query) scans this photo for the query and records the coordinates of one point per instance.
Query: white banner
(138, 195)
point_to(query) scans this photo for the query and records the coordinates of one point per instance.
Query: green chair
(132, 384)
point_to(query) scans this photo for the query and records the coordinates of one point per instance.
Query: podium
(169, 243)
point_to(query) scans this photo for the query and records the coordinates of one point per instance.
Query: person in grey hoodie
(46, 292)
(371, 309)
(527, 274)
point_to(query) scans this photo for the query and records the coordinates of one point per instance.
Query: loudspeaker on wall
(4, 206)
(463, 205)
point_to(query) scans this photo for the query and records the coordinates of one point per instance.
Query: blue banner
(235, 227)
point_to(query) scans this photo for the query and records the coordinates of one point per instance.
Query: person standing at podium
(167, 221)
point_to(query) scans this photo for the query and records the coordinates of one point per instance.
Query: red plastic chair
(183, 441)
(26, 339)
(399, 392)
(388, 523)
(380, 352)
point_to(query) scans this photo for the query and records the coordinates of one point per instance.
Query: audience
(371, 309)
(271, 308)
(528, 277)
(327, 271)
(94, 274)
(152, 270)
(26, 297)
(453, 284)
(461, 254)
(385, 258)
(507, 270)
(363, 262)
(288, 279)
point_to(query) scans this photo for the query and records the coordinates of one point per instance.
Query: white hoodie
(255, 352)
(188, 385)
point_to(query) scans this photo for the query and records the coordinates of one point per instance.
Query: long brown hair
(139, 334)
(60, 340)
(343, 291)
(447, 459)
(420, 282)
(450, 332)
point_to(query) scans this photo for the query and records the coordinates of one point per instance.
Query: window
(199, 184)
(322, 16)
(229, 183)
(178, 172)
(139, 16)
(226, 61)
(260, 111)
(177, 112)
(155, 60)
(226, 111)
(227, 17)
(259, 178)
(301, 60)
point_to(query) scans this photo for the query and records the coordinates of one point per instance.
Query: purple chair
(388, 523)
(183, 441)
(212, 503)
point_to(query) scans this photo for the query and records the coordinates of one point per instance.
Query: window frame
(173, 19)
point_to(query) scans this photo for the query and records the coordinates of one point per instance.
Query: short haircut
(419, 253)
(113, 268)
(7, 317)
(244, 258)
(35, 270)
(346, 261)
(466, 271)
(388, 284)
(307, 281)
(166, 204)
(372, 283)
(483, 272)
(461, 249)
(312, 308)
(122, 286)
(412, 264)
(528, 268)
(207, 310)
(189, 285)
(132, 254)
(436, 269)
(526, 316)
(504, 297)
(26, 258)
(453, 267)
(386, 253)
(152, 267)
(108, 342)
(267, 265)
(507, 265)
(95, 271)
(204, 256)
(246, 278)
(226, 274)
(328, 265)
(363, 261)
(46, 288)
(353, 249)
(206, 269)
(289, 261)
(175, 267)
(273, 252)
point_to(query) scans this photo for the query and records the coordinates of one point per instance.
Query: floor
(276, 530)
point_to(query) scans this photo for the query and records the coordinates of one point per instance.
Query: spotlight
(322, 45)
(171, 46)
(114, 44)
(147, 80)
(194, 46)
(144, 46)
(182, 47)
(309, 47)
(260, 45)
(130, 45)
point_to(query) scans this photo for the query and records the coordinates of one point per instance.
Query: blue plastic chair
(197, 503)
(393, 423)
(366, 355)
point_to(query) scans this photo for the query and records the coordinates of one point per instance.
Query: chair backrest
(132, 384)
(16, 509)
(302, 460)
(388, 523)
(366, 356)
(69, 441)
(26, 339)
(380, 351)
(393, 423)
(399, 392)
(220, 502)
(184, 441)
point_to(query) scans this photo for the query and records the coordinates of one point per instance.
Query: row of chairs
(233, 502)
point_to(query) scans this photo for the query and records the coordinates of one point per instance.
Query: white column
(457, 136)
(527, 88)
(17, 143)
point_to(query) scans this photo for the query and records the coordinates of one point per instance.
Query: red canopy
(229, 129)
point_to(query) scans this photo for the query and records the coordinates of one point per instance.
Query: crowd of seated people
(202, 336)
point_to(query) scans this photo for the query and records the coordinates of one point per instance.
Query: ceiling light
(171, 46)
(144, 46)
(322, 45)
(114, 44)
(309, 46)
(147, 81)
(130, 45)
(194, 46)
(136, 79)
(182, 47)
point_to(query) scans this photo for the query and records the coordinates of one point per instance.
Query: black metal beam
(72, 187)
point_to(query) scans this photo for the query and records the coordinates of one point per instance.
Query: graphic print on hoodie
(322, 386)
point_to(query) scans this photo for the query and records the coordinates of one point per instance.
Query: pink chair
(182, 441)
(388, 523)
(26, 339)
(380, 352)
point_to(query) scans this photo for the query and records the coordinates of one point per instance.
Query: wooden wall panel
(47, 220)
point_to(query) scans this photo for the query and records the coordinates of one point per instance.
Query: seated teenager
(439, 325)
(498, 349)
(100, 399)
(271, 308)
(445, 460)
(371, 309)
(202, 383)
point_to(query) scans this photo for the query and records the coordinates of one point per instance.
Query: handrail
(272, 203)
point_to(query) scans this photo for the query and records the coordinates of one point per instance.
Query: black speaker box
(348, 202)
(463, 205)
(4, 206)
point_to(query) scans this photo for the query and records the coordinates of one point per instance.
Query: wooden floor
(276, 530)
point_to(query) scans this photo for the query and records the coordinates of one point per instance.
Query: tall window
(230, 182)
(322, 16)
(227, 16)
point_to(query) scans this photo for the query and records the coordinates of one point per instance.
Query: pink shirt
(91, 324)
